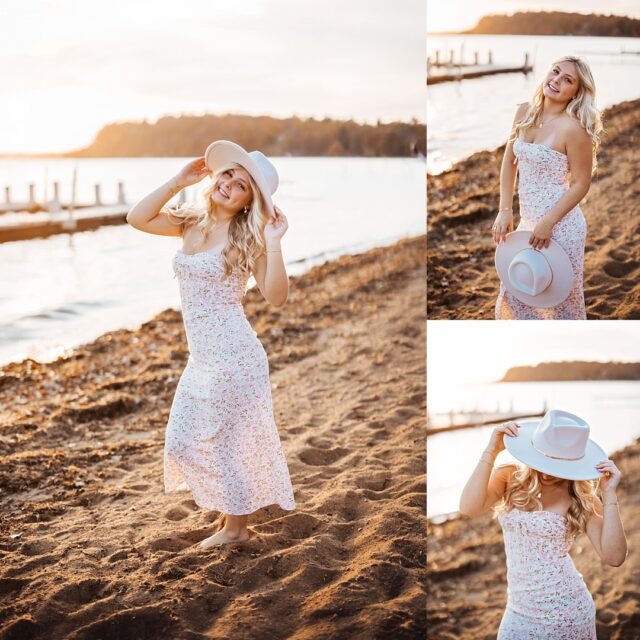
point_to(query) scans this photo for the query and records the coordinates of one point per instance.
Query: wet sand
(462, 204)
(93, 548)
(466, 576)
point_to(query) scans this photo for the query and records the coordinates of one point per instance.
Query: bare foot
(223, 537)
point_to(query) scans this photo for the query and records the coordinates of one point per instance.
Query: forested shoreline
(188, 136)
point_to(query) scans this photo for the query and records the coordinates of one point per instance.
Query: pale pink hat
(538, 277)
(558, 445)
(260, 168)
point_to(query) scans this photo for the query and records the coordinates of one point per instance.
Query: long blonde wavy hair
(246, 229)
(523, 492)
(582, 107)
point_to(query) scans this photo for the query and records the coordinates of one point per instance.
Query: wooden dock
(26, 226)
(439, 71)
(487, 419)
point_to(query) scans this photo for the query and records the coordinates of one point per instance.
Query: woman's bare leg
(234, 530)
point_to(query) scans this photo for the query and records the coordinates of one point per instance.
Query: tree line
(189, 136)
(558, 23)
(574, 371)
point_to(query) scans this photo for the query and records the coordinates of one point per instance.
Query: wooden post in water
(54, 205)
(70, 222)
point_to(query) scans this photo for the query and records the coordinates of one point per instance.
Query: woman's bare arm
(508, 171)
(146, 215)
(604, 528)
(487, 485)
(270, 272)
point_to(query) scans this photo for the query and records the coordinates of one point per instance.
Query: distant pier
(441, 70)
(33, 219)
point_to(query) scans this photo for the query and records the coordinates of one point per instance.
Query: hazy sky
(454, 15)
(482, 351)
(70, 66)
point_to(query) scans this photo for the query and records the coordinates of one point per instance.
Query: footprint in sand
(620, 269)
(174, 543)
(11, 586)
(84, 591)
(177, 513)
(38, 547)
(321, 457)
(142, 623)
(138, 487)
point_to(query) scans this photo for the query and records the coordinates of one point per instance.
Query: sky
(457, 15)
(68, 67)
(478, 351)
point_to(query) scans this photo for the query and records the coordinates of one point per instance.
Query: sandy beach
(462, 203)
(93, 548)
(466, 575)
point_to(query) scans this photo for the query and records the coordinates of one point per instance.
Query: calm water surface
(472, 115)
(62, 291)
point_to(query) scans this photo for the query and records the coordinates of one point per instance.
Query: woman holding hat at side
(553, 149)
(221, 441)
(541, 506)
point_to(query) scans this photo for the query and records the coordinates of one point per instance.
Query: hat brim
(562, 280)
(521, 448)
(222, 152)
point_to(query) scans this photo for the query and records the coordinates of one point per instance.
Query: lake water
(472, 115)
(65, 290)
(612, 409)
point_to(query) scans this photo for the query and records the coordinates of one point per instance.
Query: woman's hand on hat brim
(193, 172)
(609, 481)
(496, 443)
(541, 234)
(277, 225)
(502, 225)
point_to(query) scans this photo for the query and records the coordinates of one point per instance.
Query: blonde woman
(553, 148)
(541, 506)
(221, 441)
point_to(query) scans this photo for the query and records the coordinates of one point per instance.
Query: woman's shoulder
(505, 471)
(522, 108)
(573, 127)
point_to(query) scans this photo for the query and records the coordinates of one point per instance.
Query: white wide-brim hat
(261, 169)
(538, 277)
(558, 445)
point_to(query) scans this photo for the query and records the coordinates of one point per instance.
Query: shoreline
(462, 283)
(466, 572)
(94, 548)
(296, 268)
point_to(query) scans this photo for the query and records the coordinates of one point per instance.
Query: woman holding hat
(541, 506)
(553, 148)
(221, 440)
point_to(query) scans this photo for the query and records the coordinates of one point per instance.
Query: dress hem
(230, 512)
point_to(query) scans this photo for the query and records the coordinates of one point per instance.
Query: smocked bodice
(547, 598)
(202, 289)
(539, 165)
(534, 537)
